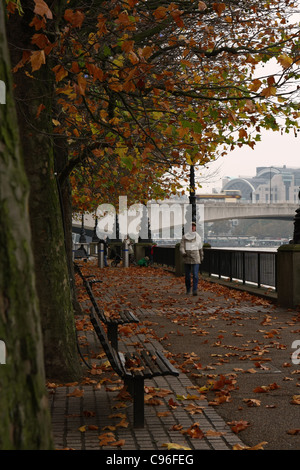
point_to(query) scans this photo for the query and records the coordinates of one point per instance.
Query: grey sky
(274, 149)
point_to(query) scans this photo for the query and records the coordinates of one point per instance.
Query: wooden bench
(84, 278)
(124, 316)
(134, 368)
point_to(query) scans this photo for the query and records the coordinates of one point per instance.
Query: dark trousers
(191, 269)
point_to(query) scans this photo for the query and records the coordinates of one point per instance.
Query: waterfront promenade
(238, 387)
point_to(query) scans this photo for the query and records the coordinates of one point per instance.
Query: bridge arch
(243, 185)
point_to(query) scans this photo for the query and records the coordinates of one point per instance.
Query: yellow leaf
(270, 91)
(255, 85)
(285, 61)
(172, 446)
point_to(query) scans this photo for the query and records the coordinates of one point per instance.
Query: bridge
(209, 212)
(239, 210)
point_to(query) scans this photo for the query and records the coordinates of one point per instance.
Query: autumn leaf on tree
(37, 59)
(41, 8)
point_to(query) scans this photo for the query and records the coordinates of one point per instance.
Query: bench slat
(111, 354)
(125, 316)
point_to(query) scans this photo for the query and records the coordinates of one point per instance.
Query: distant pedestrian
(129, 246)
(152, 253)
(144, 262)
(191, 247)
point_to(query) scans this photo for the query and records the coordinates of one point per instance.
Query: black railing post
(258, 269)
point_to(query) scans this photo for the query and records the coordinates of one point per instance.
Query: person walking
(191, 248)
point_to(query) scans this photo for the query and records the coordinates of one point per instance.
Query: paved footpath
(96, 414)
(83, 416)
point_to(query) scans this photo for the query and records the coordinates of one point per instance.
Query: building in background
(270, 185)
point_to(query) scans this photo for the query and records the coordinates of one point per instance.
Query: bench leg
(138, 402)
(136, 389)
(112, 334)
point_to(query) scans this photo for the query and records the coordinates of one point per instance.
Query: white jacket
(191, 248)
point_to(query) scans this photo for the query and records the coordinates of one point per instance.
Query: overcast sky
(274, 149)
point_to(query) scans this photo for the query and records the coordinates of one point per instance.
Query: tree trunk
(65, 195)
(24, 411)
(52, 276)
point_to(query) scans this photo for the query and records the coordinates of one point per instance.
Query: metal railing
(255, 267)
(247, 266)
(164, 255)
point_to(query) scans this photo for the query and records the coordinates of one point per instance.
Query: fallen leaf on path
(172, 446)
(238, 426)
(76, 393)
(259, 446)
(119, 443)
(251, 402)
(293, 432)
(295, 400)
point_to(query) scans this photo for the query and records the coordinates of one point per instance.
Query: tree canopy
(143, 87)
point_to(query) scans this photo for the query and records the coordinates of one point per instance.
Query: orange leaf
(40, 109)
(119, 443)
(194, 432)
(202, 6)
(75, 18)
(60, 72)
(76, 393)
(219, 7)
(37, 59)
(293, 432)
(160, 12)
(41, 8)
(81, 84)
(238, 426)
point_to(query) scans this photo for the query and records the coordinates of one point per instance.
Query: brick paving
(95, 414)
(80, 419)
(92, 417)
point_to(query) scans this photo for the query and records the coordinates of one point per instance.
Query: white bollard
(125, 255)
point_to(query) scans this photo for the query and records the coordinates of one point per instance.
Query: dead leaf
(119, 443)
(293, 432)
(162, 414)
(295, 400)
(172, 446)
(259, 446)
(76, 393)
(251, 402)
(238, 426)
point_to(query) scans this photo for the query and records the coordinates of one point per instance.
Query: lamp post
(192, 198)
(296, 236)
(82, 238)
(95, 239)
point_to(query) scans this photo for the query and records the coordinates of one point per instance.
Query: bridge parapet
(225, 211)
